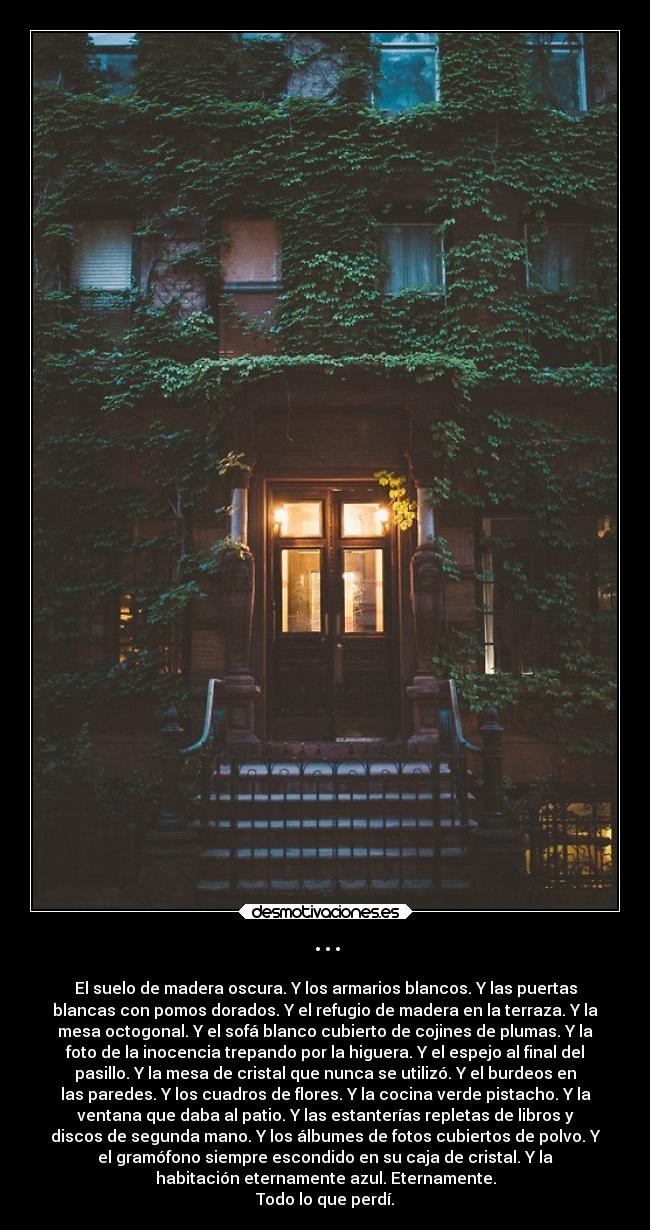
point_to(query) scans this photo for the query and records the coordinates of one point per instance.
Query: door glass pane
(300, 519)
(363, 590)
(363, 520)
(301, 607)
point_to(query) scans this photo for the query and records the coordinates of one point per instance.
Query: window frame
(408, 48)
(488, 606)
(123, 85)
(141, 569)
(439, 290)
(249, 284)
(583, 93)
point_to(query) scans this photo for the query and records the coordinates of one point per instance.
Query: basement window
(557, 69)
(250, 265)
(414, 256)
(408, 69)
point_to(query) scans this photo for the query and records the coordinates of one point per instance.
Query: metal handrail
(458, 726)
(204, 738)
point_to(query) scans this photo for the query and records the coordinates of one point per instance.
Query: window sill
(437, 292)
(239, 288)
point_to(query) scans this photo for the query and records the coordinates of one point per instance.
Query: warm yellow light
(280, 516)
(383, 516)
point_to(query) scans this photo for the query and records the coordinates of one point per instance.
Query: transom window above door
(364, 520)
(299, 519)
(304, 519)
(408, 68)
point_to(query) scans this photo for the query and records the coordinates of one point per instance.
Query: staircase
(359, 822)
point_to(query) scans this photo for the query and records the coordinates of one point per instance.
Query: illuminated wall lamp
(280, 517)
(383, 516)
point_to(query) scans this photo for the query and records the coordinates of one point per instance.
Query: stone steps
(332, 829)
(322, 832)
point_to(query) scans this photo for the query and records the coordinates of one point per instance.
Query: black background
(430, 948)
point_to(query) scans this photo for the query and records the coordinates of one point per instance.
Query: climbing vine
(133, 397)
(404, 509)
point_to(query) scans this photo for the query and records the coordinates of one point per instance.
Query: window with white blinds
(413, 254)
(102, 256)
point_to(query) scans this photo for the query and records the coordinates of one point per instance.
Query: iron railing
(569, 839)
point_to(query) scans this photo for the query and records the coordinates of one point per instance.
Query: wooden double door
(332, 652)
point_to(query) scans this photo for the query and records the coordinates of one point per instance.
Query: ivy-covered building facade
(325, 387)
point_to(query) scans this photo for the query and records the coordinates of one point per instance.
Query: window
(93, 614)
(102, 256)
(364, 520)
(560, 261)
(145, 572)
(604, 586)
(413, 253)
(116, 65)
(300, 519)
(125, 643)
(516, 632)
(557, 69)
(251, 278)
(521, 634)
(116, 58)
(408, 69)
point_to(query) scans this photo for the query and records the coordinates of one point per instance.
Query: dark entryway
(332, 613)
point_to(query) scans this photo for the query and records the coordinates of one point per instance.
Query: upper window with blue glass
(116, 57)
(557, 69)
(408, 69)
